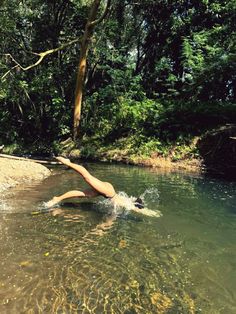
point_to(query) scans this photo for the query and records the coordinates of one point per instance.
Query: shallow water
(78, 259)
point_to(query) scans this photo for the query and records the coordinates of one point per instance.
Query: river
(81, 258)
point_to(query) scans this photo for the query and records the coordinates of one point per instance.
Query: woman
(98, 188)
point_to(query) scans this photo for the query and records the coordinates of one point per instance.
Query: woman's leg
(104, 188)
(71, 194)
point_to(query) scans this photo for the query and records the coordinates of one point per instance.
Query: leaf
(122, 244)
(26, 263)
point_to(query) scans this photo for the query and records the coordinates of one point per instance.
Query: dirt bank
(14, 172)
(125, 154)
(189, 165)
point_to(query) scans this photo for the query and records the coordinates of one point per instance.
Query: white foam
(127, 204)
(47, 205)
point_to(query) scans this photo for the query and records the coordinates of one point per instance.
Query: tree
(54, 29)
(148, 52)
(35, 96)
(89, 27)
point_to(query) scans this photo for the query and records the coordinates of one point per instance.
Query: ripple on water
(77, 258)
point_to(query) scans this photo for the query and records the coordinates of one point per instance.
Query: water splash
(6, 205)
(128, 201)
(43, 208)
(150, 197)
(48, 205)
(108, 207)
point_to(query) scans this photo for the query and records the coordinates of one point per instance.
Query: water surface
(78, 259)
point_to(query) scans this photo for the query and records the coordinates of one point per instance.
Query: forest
(118, 156)
(158, 75)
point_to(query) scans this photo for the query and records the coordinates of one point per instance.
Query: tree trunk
(89, 27)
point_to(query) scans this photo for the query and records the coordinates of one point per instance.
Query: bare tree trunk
(80, 78)
(89, 27)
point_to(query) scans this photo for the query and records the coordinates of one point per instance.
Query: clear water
(78, 259)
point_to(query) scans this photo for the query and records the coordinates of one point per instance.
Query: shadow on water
(80, 258)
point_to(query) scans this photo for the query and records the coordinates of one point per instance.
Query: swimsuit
(110, 197)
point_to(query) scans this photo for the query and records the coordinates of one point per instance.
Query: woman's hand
(64, 161)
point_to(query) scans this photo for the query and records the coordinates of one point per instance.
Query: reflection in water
(82, 257)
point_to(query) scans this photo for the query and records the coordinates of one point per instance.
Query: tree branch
(29, 159)
(41, 56)
(8, 72)
(95, 22)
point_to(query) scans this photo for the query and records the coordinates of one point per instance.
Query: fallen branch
(29, 159)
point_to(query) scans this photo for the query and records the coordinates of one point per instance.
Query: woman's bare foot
(63, 160)
(52, 202)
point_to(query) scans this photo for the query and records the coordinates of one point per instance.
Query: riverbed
(85, 257)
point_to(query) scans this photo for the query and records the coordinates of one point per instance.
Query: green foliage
(159, 73)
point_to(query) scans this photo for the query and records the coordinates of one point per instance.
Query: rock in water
(218, 150)
(13, 172)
